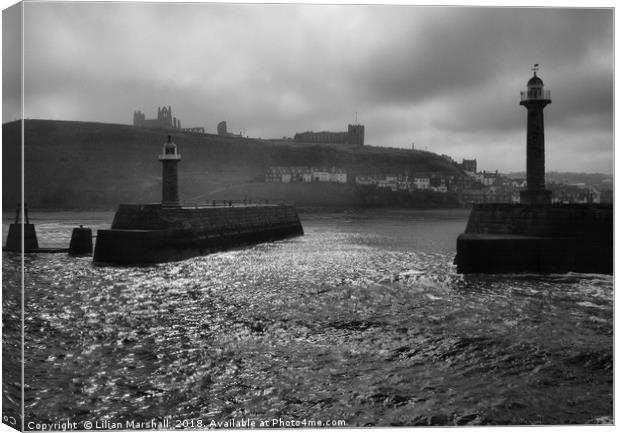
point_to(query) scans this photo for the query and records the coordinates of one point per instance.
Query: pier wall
(595, 220)
(154, 217)
(506, 238)
(151, 233)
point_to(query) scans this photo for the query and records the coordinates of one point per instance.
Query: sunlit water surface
(363, 319)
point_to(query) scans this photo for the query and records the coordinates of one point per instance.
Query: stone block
(14, 238)
(81, 242)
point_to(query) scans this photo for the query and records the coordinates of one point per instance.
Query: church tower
(535, 99)
(170, 175)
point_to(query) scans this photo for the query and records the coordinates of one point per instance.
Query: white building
(320, 175)
(441, 188)
(404, 185)
(487, 178)
(365, 180)
(338, 176)
(421, 182)
(385, 183)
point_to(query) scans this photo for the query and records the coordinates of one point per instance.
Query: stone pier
(154, 233)
(511, 238)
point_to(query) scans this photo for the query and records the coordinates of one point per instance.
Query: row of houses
(492, 187)
(509, 191)
(484, 187)
(305, 174)
(394, 182)
(574, 193)
(487, 178)
(405, 182)
(492, 194)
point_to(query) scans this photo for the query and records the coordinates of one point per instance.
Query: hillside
(86, 165)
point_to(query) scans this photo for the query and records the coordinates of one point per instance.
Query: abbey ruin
(164, 120)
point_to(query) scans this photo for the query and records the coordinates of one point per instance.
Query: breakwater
(152, 233)
(502, 238)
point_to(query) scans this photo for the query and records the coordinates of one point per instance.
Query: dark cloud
(446, 78)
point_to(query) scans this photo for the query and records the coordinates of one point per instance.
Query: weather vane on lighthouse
(535, 68)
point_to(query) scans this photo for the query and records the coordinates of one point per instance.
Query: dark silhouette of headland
(89, 165)
(535, 235)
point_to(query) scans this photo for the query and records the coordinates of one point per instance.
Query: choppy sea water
(363, 319)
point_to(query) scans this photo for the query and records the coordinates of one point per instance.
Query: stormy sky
(445, 78)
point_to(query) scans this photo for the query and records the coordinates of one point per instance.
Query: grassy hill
(87, 165)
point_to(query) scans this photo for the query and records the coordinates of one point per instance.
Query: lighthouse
(536, 236)
(170, 176)
(535, 99)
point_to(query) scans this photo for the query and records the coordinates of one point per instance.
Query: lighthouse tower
(170, 177)
(535, 98)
